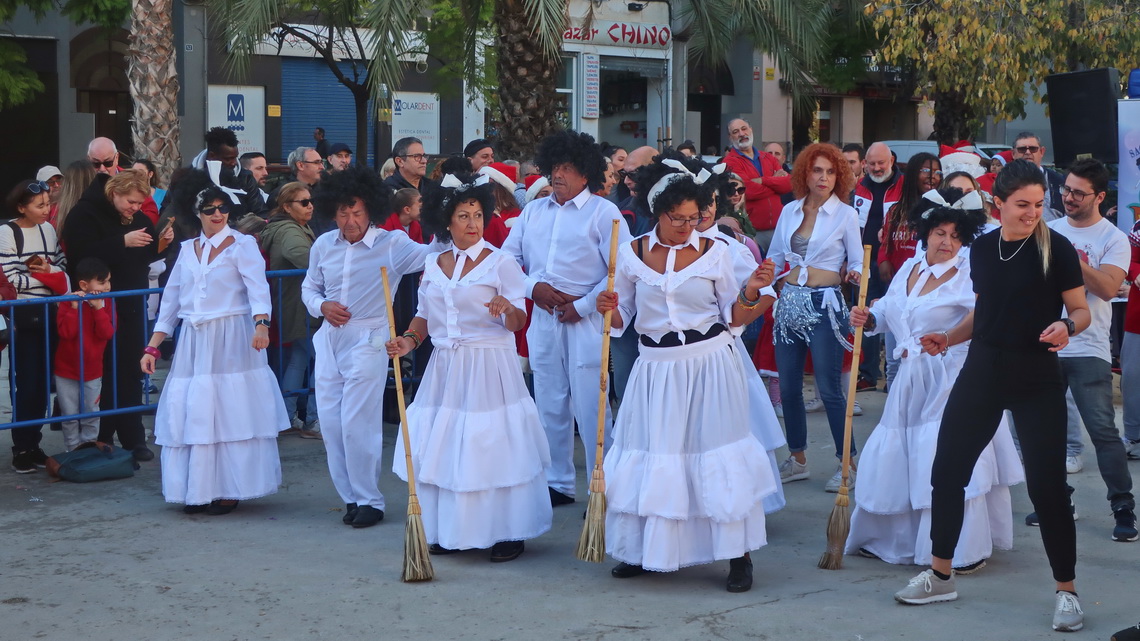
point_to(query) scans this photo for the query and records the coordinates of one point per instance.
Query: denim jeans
(872, 345)
(1090, 380)
(1073, 444)
(1130, 384)
(827, 359)
(299, 359)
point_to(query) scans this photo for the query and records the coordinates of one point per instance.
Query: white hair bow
(451, 181)
(967, 202)
(683, 173)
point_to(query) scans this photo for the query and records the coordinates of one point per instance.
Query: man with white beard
(764, 180)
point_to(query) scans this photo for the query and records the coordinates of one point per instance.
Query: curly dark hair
(844, 179)
(675, 193)
(182, 197)
(577, 149)
(219, 137)
(926, 216)
(439, 205)
(343, 187)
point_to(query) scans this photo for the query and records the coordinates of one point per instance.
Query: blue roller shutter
(312, 97)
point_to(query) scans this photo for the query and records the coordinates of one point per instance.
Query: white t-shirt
(1097, 245)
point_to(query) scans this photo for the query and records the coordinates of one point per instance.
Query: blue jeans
(827, 359)
(1090, 380)
(298, 360)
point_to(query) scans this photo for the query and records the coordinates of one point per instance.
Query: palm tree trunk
(153, 82)
(954, 117)
(527, 81)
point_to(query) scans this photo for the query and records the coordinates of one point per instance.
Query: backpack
(92, 462)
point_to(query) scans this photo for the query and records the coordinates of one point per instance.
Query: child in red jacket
(90, 340)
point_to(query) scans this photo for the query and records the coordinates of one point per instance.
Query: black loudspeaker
(1082, 114)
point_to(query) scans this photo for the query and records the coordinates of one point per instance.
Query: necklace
(1006, 260)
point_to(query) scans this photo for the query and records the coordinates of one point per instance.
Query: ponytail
(1041, 236)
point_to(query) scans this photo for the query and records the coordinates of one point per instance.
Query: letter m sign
(235, 107)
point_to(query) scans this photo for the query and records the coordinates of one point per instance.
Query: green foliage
(449, 41)
(845, 64)
(109, 14)
(18, 83)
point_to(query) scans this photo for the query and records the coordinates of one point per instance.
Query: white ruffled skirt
(892, 499)
(686, 479)
(218, 416)
(765, 425)
(479, 452)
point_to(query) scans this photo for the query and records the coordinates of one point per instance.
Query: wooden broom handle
(607, 320)
(399, 383)
(853, 379)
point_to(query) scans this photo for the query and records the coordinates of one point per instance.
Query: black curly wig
(439, 204)
(342, 187)
(676, 193)
(181, 199)
(926, 216)
(578, 149)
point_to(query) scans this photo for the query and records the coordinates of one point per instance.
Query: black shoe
(194, 509)
(971, 568)
(350, 511)
(217, 508)
(143, 453)
(625, 570)
(506, 551)
(1128, 634)
(437, 549)
(38, 458)
(558, 498)
(1125, 529)
(23, 463)
(740, 574)
(367, 516)
(1032, 521)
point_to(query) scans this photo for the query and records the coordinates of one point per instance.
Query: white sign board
(591, 85)
(1128, 183)
(240, 109)
(638, 35)
(416, 114)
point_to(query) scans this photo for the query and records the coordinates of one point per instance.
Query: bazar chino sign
(621, 34)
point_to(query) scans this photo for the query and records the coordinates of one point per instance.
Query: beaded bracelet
(745, 303)
(415, 336)
(153, 351)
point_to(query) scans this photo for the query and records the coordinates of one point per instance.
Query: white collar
(215, 241)
(694, 241)
(939, 270)
(579, 200)
(473, 252)
(369, 238)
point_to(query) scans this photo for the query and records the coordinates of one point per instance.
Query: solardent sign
(621, 34)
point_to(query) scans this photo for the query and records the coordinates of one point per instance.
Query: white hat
(47, 172)
(535, 187)
(497, 176)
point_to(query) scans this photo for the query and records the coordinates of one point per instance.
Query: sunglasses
(740, 191)
(103, 163)
(209, 211)
(632, 175)
(304, 202)
(1027, 149)
(38, 187)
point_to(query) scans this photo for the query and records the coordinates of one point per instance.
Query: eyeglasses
(1027, 149)
(1077, 194)
(103, 163)
(38, 187)
(928, 170)
(681, 222)
(304, 202)
(55, 182)
(209, 211)
(415, 157)
(313, 162)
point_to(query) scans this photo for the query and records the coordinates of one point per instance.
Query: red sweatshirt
(414, 231)
(98, 328)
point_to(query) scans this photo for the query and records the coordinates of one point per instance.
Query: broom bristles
(838, 526)
(417, 562)
(592, 542)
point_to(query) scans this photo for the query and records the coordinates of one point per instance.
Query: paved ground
(113, 561)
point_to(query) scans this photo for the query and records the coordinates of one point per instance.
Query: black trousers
(122, 383)
(1031, 386)
(29, 357)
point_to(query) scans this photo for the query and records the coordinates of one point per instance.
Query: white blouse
(834, 239)
(743, 262)
(199, 290)
(455, 308)
(696, 297)
(909, 316)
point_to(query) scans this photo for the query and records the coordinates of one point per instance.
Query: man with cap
(411, 166)
(563, 244)
(340, 157)
(480, 153)
(343, 286)
(639, 221)
(53, 177)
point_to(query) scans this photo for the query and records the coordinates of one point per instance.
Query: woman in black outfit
(1025, 277)
(106, 223)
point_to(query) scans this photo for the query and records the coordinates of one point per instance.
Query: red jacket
(98, 328)
(1132, 311)
(415, 232)
(899, 245)
(762, 202)
(864, 198)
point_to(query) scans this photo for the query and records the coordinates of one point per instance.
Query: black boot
(740, 574)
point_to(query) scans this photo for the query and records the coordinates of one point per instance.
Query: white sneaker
(1073, 464)
(833, 484)
(1133, 449)
(793, 470)
(814, 405)
(1068, 615)
(779, 407)
(857, 411)
(927, 588)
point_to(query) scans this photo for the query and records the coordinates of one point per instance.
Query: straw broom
(417, 563)
(839, 524)
(592, 542)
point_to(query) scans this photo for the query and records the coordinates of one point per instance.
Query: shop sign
(241, 109)
(416, 114)
(591, 85)
(1128, 194)
(621, 34)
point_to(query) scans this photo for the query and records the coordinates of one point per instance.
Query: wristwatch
(261, 321)
(1070, 325)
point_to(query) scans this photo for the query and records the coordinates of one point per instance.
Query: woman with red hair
(815, 236)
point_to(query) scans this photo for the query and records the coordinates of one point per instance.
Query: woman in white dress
(891, 520)
(685, 478)
(220, 409)
(478, 449)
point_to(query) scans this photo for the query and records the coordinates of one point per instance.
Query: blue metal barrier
(150, 403)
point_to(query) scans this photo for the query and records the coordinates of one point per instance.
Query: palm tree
(153, 82)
